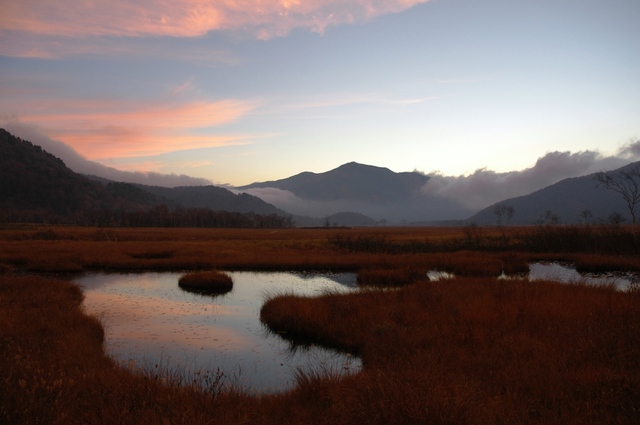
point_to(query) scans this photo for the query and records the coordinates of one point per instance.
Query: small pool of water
(567, 274)
(435, 275)
(560, 273)
(151, 323)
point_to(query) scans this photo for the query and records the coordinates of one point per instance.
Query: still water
(565, 273)
(562, 273)
(151, 323)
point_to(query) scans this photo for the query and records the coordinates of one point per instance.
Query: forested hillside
(37, 187)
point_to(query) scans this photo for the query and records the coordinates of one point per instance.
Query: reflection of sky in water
(563, 273)
(559, 273)
(149, 320)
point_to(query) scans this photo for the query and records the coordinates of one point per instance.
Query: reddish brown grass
(473, 350)
(607, 263)
(76, 249)
(479, 351)
(208, 281)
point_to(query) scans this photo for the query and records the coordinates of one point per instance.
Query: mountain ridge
(35, 183)
(37, 186)
(567, 199)
(377, 192)
(350, 181)
(33, 180)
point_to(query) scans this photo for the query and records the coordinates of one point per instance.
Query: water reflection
(435, 275)
(559, 273)
(567, 274)
(149, 320)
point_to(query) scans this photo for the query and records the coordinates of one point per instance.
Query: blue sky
(238, 92)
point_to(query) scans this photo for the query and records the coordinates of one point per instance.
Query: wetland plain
(474, 349)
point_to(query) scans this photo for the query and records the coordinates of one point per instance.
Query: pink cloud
(188, 18)
(114, 129)
(44, 46)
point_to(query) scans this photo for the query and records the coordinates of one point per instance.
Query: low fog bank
(485, 187)
(82, 165)
(421, 208)
(452, 198)
(441, 198)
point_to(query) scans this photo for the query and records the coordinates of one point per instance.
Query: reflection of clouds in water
(345, 279)
(139, 317)
(128, 305)
(565, 274)
(557, 272)
(167, 334)
(553, 271)
(138, 281)
(149, 319)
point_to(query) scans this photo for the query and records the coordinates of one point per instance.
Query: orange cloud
(115, 129)
(188, 18)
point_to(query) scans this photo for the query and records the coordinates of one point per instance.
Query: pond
(151, 323)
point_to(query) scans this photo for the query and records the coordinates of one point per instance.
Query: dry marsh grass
(212, 281)
(76, 249)
(474, 350)
(480, 350)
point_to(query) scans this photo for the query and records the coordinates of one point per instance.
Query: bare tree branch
(627, 184)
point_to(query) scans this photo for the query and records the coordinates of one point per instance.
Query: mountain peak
(351, 181)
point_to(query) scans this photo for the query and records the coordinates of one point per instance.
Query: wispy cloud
(184, 87)
(43, 46)
(141, 172)
(188, 18)
(121, 128)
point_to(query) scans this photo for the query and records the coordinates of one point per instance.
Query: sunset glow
(123, 129)
(243, 91)
(188, 18)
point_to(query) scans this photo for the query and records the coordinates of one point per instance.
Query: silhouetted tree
(587, 216)
(501, 211)
(549, 218)
(627, 183)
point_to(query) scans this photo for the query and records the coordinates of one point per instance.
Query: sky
(235, 92)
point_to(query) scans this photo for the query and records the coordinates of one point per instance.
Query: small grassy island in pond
(212, 281)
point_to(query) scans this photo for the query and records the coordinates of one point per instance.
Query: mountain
(33, 180)
(37, 186)
(213, 198)
(375, 192)
(568, 200)
(351, 181)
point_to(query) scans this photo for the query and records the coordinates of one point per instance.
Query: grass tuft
(207, 282)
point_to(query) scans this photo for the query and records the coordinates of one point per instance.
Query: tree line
(158, 216)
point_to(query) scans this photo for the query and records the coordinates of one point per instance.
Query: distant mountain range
(35, 184)
(376, 192)
(401, 198)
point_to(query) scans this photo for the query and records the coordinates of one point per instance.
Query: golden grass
(474, 350)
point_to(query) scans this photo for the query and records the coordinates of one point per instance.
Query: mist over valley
(353, 194)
